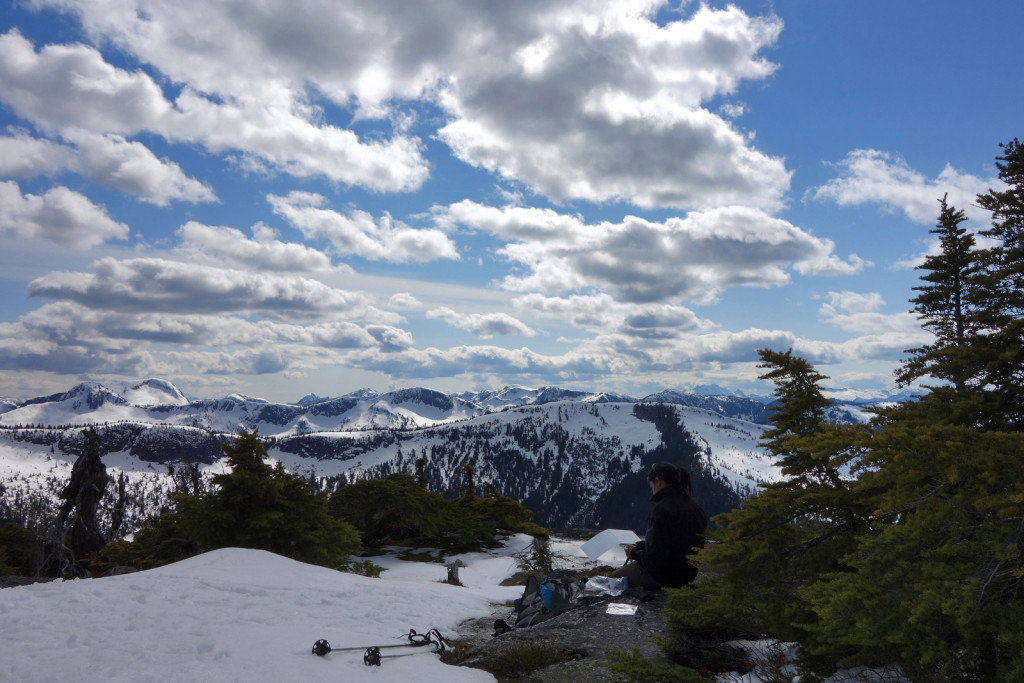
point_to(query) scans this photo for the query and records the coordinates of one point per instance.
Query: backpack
(542, 600)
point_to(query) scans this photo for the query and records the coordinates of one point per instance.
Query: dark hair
(670, 474)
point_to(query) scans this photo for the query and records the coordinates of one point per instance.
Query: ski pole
(322, 647)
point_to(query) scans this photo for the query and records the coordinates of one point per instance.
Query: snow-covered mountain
(575, 458)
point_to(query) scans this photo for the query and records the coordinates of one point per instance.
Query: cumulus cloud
(108, 160)
(485, 325)
(153, 284)
(603, 104)
(580, 99)
(25, 156)
(862, 314)
(62, 89)
(263, 252)
(637, 260)
(868, 176)
(67, 337)
(59, 215)
(601, 313)
(358, 234)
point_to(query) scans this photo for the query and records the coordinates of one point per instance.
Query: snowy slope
(242, 615)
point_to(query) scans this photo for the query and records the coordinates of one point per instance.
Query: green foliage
(17, 550)
(254, 505)
(636, 667)
(937, 588)
(397, 509)
(999, 296)
(392, 508)
(901, 543)
(522, 659)
(944, 305)
(363, 568)
(259, 506)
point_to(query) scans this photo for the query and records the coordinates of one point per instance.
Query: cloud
(69, 338)
(404, 301)
(640, 261)
(23, 156)
(59, 215)
(108, 160)
(154, 284)
(485, 325)
(869, 176)
(602, 104)
(576, 99)
(263, 252)
(72, 90)
(601, 313)
(861, 314)
(358, 234)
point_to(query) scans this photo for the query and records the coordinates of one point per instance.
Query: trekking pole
(372, 655)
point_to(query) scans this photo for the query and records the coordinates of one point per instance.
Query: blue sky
(618, 195)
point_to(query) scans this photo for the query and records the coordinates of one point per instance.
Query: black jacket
(675, 529)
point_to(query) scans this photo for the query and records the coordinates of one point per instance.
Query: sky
(289, 198)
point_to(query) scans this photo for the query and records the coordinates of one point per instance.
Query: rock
(588, 632)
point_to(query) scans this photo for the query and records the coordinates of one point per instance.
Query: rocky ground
(586, 633)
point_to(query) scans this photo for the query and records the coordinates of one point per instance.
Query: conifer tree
(789, 533)
(1000, 299)
(944, 306)
(257, 505)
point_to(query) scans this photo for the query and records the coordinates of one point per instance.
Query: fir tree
(1000, 299)
(944, 308)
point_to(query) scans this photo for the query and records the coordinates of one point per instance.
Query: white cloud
(404, 301)
(59, 215)
(869, 176)
(67, 337)
(601, 313)
(263, 252)
(687, 259)
(359, 234)
(603, 104)
(861, 314)
(154, 284)
(485, 325)
(67, 89)
(24, 156)
(109, 160)
(131, 167)
(586, 99)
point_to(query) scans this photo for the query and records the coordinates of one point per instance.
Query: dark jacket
(675, 529)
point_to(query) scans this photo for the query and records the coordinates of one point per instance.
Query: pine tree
(1000, 299)
(257, 505)
(789, 533)
(944, 307)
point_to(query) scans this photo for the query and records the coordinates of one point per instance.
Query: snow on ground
(252, 616)
(244, 615)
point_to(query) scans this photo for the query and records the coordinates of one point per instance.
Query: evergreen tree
(1000, 299)
(936, 587)
(788, 534)
(254, 505)
(944, 308)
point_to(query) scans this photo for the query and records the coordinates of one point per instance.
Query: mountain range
(575, 458)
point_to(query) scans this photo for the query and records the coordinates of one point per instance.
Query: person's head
(664, 474)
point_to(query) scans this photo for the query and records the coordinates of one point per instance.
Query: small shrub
(362, 568)
(521, 659)
(639, 668)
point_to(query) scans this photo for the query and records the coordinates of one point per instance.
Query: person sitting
(675, 529)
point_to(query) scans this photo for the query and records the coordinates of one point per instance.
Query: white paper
(621, 608)
(606, 540)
